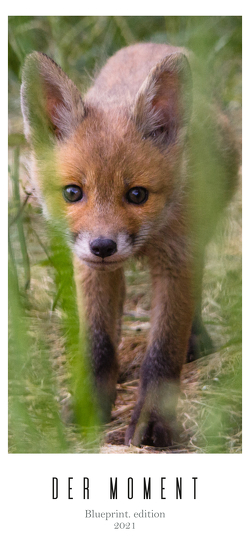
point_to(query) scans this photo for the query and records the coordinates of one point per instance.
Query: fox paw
(200, 343)
(153, 431)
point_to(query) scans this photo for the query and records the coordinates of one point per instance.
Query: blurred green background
(42, 341)
(81, 44)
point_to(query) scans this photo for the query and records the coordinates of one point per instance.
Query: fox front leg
(100, 300)
(153, 421)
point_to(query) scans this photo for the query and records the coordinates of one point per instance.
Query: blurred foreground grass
(35, 422)
(44, 355)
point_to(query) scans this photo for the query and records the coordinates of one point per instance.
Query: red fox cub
(134, 175)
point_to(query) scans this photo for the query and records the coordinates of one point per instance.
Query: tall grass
(35, 421)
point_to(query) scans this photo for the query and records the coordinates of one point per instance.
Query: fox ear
(51, 104)
(163, 103)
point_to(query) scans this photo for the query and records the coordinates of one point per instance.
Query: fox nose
(103, 247)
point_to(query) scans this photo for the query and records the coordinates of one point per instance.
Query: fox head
(111, 169)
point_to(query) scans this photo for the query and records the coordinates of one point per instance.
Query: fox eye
(72, 193)
(157, 132)
(137, 196)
